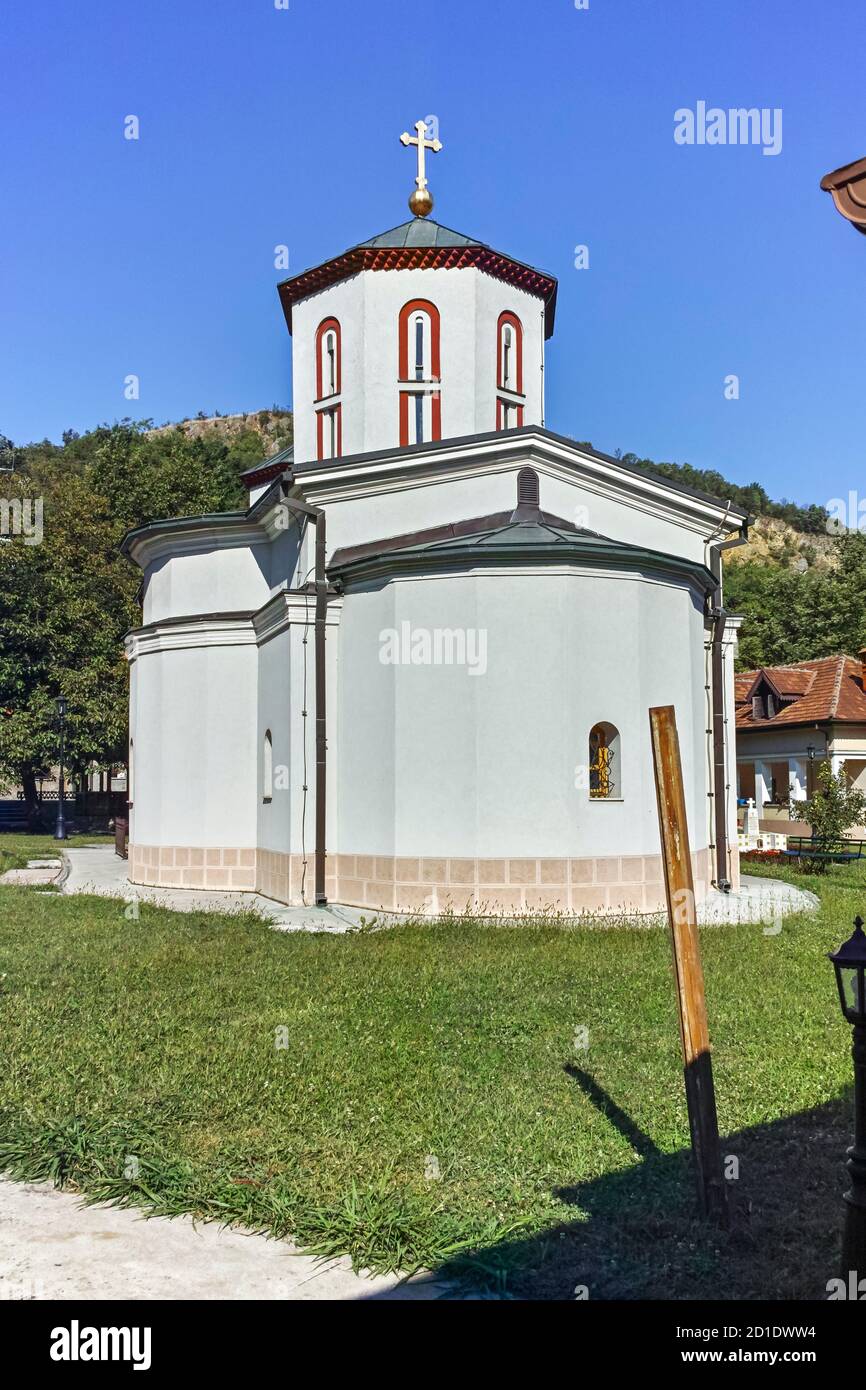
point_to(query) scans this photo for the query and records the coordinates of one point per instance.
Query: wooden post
(692, 1004)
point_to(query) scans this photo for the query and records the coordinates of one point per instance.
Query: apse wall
(469, 788)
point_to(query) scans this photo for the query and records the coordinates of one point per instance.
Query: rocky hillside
(775, 542)
(273, 428)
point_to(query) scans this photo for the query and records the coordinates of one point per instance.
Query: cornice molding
(178, 634)
(192, 535)
(242, 629)
(291, 608)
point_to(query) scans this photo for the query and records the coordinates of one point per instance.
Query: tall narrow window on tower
(510, 400)
(419, 373)
(331, 354)
(328, 406)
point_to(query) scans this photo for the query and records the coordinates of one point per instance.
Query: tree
(67, 601)
(832, 810)
(795, 617)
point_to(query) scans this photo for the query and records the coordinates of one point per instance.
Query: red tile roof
(828, 689)
(368, 257)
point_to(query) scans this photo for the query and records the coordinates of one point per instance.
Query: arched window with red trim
(420, 373)
(510, 399)
(329, 406)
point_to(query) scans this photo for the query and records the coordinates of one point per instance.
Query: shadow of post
(637, 1234)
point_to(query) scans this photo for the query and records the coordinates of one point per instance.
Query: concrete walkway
(52, 1247)
(763, 900)
(38, 871)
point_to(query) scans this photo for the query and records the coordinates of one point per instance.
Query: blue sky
(261, 126)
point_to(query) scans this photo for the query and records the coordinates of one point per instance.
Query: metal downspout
(317, 516)
(718, 616)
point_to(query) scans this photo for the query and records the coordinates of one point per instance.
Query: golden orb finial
(421, 201)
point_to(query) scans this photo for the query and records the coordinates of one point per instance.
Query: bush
(831, 811)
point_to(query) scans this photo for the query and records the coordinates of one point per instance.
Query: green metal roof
(421, 232)
(508, 539)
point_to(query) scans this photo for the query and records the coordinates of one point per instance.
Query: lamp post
(60, 829)
(850, 965)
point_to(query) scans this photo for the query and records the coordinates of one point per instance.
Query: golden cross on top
(421, 201)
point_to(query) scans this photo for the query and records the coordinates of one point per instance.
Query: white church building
(415, 673)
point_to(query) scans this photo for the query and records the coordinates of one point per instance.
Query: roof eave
(737, 517)
(247, 524)
(534, 281)
(444, 557)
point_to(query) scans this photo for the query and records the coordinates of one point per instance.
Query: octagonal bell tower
(417, 335)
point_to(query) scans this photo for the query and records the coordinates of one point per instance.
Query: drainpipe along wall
(317, 516)
(718, 617)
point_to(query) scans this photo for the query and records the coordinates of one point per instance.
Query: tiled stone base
(174, 866)
(625, 883)
(282, 876)
(279, 876)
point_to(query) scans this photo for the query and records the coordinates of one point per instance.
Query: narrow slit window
(331, 343)
(267, 767)
(604, 763)
(419, 349)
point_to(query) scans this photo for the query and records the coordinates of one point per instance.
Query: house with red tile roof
(789, 719)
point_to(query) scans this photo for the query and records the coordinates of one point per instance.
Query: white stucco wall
(368, 306)
(277, 711)
(194, 725)
(286, 687)
(435, 761)
(217, 579)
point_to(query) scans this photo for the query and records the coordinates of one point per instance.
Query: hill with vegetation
(66, 604)
(248, 437)
(798, 584)
(781, 534)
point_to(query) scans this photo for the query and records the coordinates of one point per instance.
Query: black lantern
(850, 965)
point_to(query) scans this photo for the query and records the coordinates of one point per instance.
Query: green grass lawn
(15, 850)
(144, 1061)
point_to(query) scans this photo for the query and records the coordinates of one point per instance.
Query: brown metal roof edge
(238, 615)
(847, 188)
(848, 172)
